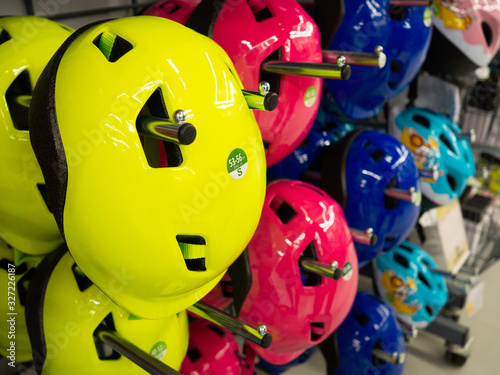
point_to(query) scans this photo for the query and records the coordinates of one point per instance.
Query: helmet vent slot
(375, 153)
(105, 352)
(409, 249)
(112, 46)
(266, 144)
(217, 330)
(18, 98)
(309, 278)
(259, 9)
(193, 251)
(391, 203)
(397, 12)
(317, 330)
(488, 34)
(423, 279)
(376, 360)
(318, 191)
(429, 310)
(82, 281)
(401, 260)
(227, 289)
(451, 181)
(193, 355)
(360, 317)
(159, 154)
(169, 8)
(273, 78)
(424, 121)
(283, 210)
(426, 262)
(446, 142)
(4, 36)
(43, 192)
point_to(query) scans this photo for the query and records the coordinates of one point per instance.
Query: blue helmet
(326, 130)
(270, 368)
(405, 278)
(359, 172)
(370, 328)
(432, 139)
(403, 32)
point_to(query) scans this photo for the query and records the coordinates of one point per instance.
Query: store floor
(425, 354)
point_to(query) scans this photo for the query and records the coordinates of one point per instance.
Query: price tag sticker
(237, 163)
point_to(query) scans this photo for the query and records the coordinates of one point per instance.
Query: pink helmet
(212, 350)
(221, 296)
(299, 308)
(252, 32)
(467, 34)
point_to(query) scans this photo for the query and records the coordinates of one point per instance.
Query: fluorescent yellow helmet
(167, 219)
(64, 309)
(26, 45)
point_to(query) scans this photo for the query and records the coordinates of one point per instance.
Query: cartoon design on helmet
(365, 172)
(253, 33)
(299, 224)
(64, 310)
(15, 277)
(120, 200)
(212, 350)
(443, 147)
(370, 339)
(26, 222)
(405, 279)
(404, 33)
(466, 35)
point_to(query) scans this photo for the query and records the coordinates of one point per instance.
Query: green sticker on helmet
(347, 271)
(310, 96)
(159, 350)
(427, 17)
(237, 163)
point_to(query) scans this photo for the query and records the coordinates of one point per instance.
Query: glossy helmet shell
(26, 45)
(298, 220)
(270, 368)
(467, 35)
(63, 310)
(431, 137)
(404, 279)
(15, 283)
(370, 324)
(187, 213)
(355, 173)
(252, 32)
(405, 36)
(211, 350)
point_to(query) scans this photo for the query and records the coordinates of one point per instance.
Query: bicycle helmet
(466, 35)
(431, 137)
(299, 308)
(26, 45)
(221, 296)
(253, 32)
(370, 326)
(14, 278)
(357, 172)
(405, 280)
(403, 32)
(120, 200)
(270, 368)
(64, 310)
(211, 350)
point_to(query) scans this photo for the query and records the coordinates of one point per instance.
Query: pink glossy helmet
(253, 32)
(299, 308)
(467, 34)
(212, 350)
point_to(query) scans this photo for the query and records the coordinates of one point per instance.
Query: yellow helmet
(166, 218)
(26, 45)
(64, 309)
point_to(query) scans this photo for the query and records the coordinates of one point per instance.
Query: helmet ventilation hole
(193, 355)
(317, 330)
(388, 243)
(283, 210)
(43, 192)
(112, 46)
(401, 260)
(360, 317)
(397, 12)
(266, 144)
(423, 279)
(216, 329)
(422, 120)
(4, 36)
(391, 203)
(375, 153)
(259, 9)
(105, 352)
(82, 281)
(169, 8)
(429, 310)
(451, 181)
(18, 98)
(426, 262)
(406, 248)
(273, 78)
(193, 251)
(309, 278)
(444, 139)
(376, 360)
(487, 32)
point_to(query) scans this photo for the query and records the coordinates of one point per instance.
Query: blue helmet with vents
(403, 32)
(270, 368)
(370, 330)
(407, 280)
(374, 178)
(432, 138)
